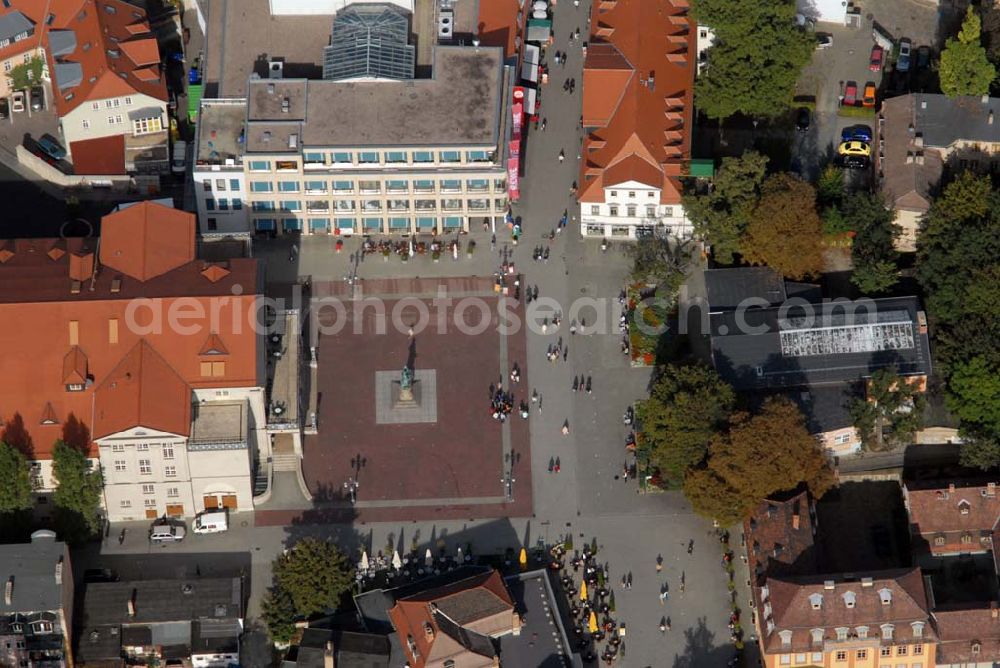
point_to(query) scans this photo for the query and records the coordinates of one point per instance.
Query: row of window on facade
(172, 493)
(343, 158)
(145, 468)
(631, 210)
(7, 64)
(140, 126)
(816, 658)
(401, 224)
(373, 206)
(344, 187)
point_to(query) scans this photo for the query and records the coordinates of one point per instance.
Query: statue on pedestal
(406, 385)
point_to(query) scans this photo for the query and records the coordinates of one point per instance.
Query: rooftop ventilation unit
(275, 69)
(446, 24)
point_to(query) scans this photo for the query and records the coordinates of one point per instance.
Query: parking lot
(847, 60)
(35, 123)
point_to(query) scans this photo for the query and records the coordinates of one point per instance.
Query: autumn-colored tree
(768, 452)
(785, 232)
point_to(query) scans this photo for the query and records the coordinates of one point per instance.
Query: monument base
(393, 406)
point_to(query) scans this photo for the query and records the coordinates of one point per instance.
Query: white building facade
(631, 210)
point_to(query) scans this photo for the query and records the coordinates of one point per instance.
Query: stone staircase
(285, 462)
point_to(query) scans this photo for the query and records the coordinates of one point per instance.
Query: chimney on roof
(951, 488)
(795, 521)
(991, 489)
(828, 584)
(909, 157)
(515, 623)
(866, 582)
(59, 567)
(985, 99)
(328, 661)
(989, 119)
(994, 610)
(428, 632)
(8, 591)
(131, 604)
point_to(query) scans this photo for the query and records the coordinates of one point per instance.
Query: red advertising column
(514, 159)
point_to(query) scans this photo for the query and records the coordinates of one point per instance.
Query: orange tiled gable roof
(951, 512)
(147, 239)
(637, 91)
(142, 391)
(107, 44)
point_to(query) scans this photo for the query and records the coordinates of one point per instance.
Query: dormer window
(849, 599)
(786, 637)
(817, 636)
(964, 507)
(885, 595)
(918, 629)
(976, 648)
(841, 633)
(816, 601)
(939, 539)
(966, 538)
(862, 631)
(887, 630)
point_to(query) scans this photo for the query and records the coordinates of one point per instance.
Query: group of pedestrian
(557, 351)
(582, 384)
(623, 326)
(501, 404)
(569, 86)
(540, 253)
(592, 615)
(515, 373)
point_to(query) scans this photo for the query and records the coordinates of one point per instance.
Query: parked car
(178, 165)
(903, 59)
(52, 147)
(4, 108)
(17, 101)
(802, 119)
(855, 147)
(824, 40)
(858, 132)
(211, 521)
(869, 97)
(37, 99)
(166, 533)
(877, 58)
(855, 162)
(923, 57)
(850, 94)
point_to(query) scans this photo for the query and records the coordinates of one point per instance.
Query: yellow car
(858, 148)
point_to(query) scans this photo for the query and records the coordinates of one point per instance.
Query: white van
(179, 163)
(166, 533)
(211, 521)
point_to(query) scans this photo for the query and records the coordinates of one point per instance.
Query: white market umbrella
(364, 560)
(397, 563)
(428, 559)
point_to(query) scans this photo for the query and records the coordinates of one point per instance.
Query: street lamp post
(351, 486)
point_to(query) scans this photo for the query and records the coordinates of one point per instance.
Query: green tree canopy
(979, 451)
(77, 497)
(873, 250)
(974, 395)
(965, 68)
(15, 492)
(891, 412)
(721, 216)
(756, 59)
(661, 261)
(310, 578)
(687, 406)
(751, 462)
(785, 232)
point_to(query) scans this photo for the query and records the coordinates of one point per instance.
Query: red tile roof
(964, 516)
(828, 602)
(113, 41)
(114, 313)
(779, 537)
(464, 603)
(498, 25)
(146, 240)
(637, 93)
(98, 157)
(961, 628)
(142, 391)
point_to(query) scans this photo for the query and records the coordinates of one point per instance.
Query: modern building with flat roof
(365, 151)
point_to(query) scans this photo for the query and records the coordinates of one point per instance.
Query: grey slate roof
(374, 605)
(61, 42)
(826, 407)
(96, 643)
(33, 569)
(471, 640)
(747, 347)
(943, 120)
(727, 288)
(470, 605)
(68, 75)
(352, 650)
(161, 601)
(14, 23)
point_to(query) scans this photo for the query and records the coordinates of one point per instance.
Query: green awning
(702, 168)
(194, 101)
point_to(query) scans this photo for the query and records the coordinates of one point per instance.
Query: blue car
(857, 133)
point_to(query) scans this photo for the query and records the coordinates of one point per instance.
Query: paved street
(587, 498)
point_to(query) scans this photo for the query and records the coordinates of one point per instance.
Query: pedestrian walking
(691, 546)
(565, 428)
(659, 563)
(629, 583)
(663, 597)
(562, 156)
